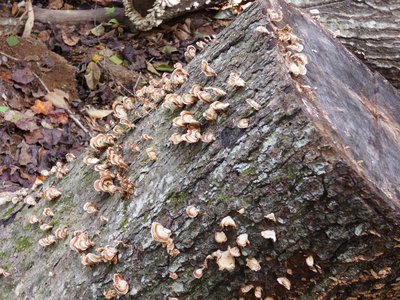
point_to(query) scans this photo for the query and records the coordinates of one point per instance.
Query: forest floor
(58, 85)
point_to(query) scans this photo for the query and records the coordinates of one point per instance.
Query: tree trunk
(322, 158)
(371, 29)
(150, 13)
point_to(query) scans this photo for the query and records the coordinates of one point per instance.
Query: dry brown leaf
(92, 75)
(69, 39)
(99, 113)
(56, 4)
(58, 98)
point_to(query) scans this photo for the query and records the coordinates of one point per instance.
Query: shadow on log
(321, 154)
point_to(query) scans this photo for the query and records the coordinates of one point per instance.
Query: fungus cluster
(289, 44)
(163, 235)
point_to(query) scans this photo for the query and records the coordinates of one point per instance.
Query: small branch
(31, 19)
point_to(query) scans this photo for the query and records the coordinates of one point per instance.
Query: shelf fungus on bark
(90, 208)
(271, 217)
(163, 235)
(102, 167)
(210, 114)
(4, 273)
(47, 212)
(90, 259)
(285, 282)
(61, 233)
(128, 103)
(220, 237)
(243, 240)
(59, 170)
(90, 160)
(173, 100)
(206, 69)
(176, 138)
(185, 120)
(120, 284)
(105, 185)
(242, 123)
(101, 141)
(227, 222)
(246, 288)
(110, 294)
(69, 157)
(224, 259)
(215, 92)
(253, 104)
(219, 106)
(116, 159)
(51, 193)
(235, 80)
(47, 241)
(30, 200)
(179, 76)
(275, 15)
(269, 234)
(205, 97)
(151, 153)
(173, 275)
(258, 292)
(189, 99)
(191, 136)
(262, 29)
(146, 137)
(208, 138)
(253, 264)
(80, 242)
(195, 89)
(192, 211)
(45, 227)
(190, 53)
(198, 273)
(33, 219)
(109, 254)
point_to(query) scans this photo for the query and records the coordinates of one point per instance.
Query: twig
(77, 122)
(41, 82)
(9, 56)
(137, 82)
(31, 19)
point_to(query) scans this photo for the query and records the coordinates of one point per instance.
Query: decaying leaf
(92, 75)
(99, 113)
(42, 107)
(58, 98)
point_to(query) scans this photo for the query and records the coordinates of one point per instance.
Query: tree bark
(370, 28)
(150, 13)
(321, 155)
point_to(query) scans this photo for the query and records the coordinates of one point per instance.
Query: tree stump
(321, 154)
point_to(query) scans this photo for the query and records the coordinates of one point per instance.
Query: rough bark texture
(370, 28)
(148, 14)
(293, 161)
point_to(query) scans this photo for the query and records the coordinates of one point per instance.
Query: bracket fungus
(109, 254)
(235, 80)
(4, 273)
(110, 294)
(61, 233)
(80, 242)
(45, 227)
(160, 233)
(47, 241)
(253, 104)
(47, 212)
(224, 259)
(242, 123)
(121, 286)
(220, 237)
(269, 234)
(90, 208)
(192, 211)
(33, 219)
(271, 216)
(243, 240)
(50, 194)
(151, 153)
(206, 69)
(208, 138)
(30, 200)
(227, 222)
(253, 264)
(90, 160)
(219, 106)
(198, 273)
(179, 76)
(90, 259)
(101, 141)
(285, 282)
(190, 53)
(210, 114)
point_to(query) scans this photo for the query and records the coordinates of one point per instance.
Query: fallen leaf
(168, 49)
(42, 107)
(12, 41)
(23, 76)
(4, 108)
(58, 118)
(92, 75)
(99, 113)
(24, 156)
(97, 58)
(164, 68)
(151, 69)
(58, 98)
(116, 60)
(69, 39)
(24, 121)
(98, 30)
(56, 4)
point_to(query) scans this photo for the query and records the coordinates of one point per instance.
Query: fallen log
(313, 180)
(370, 29)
